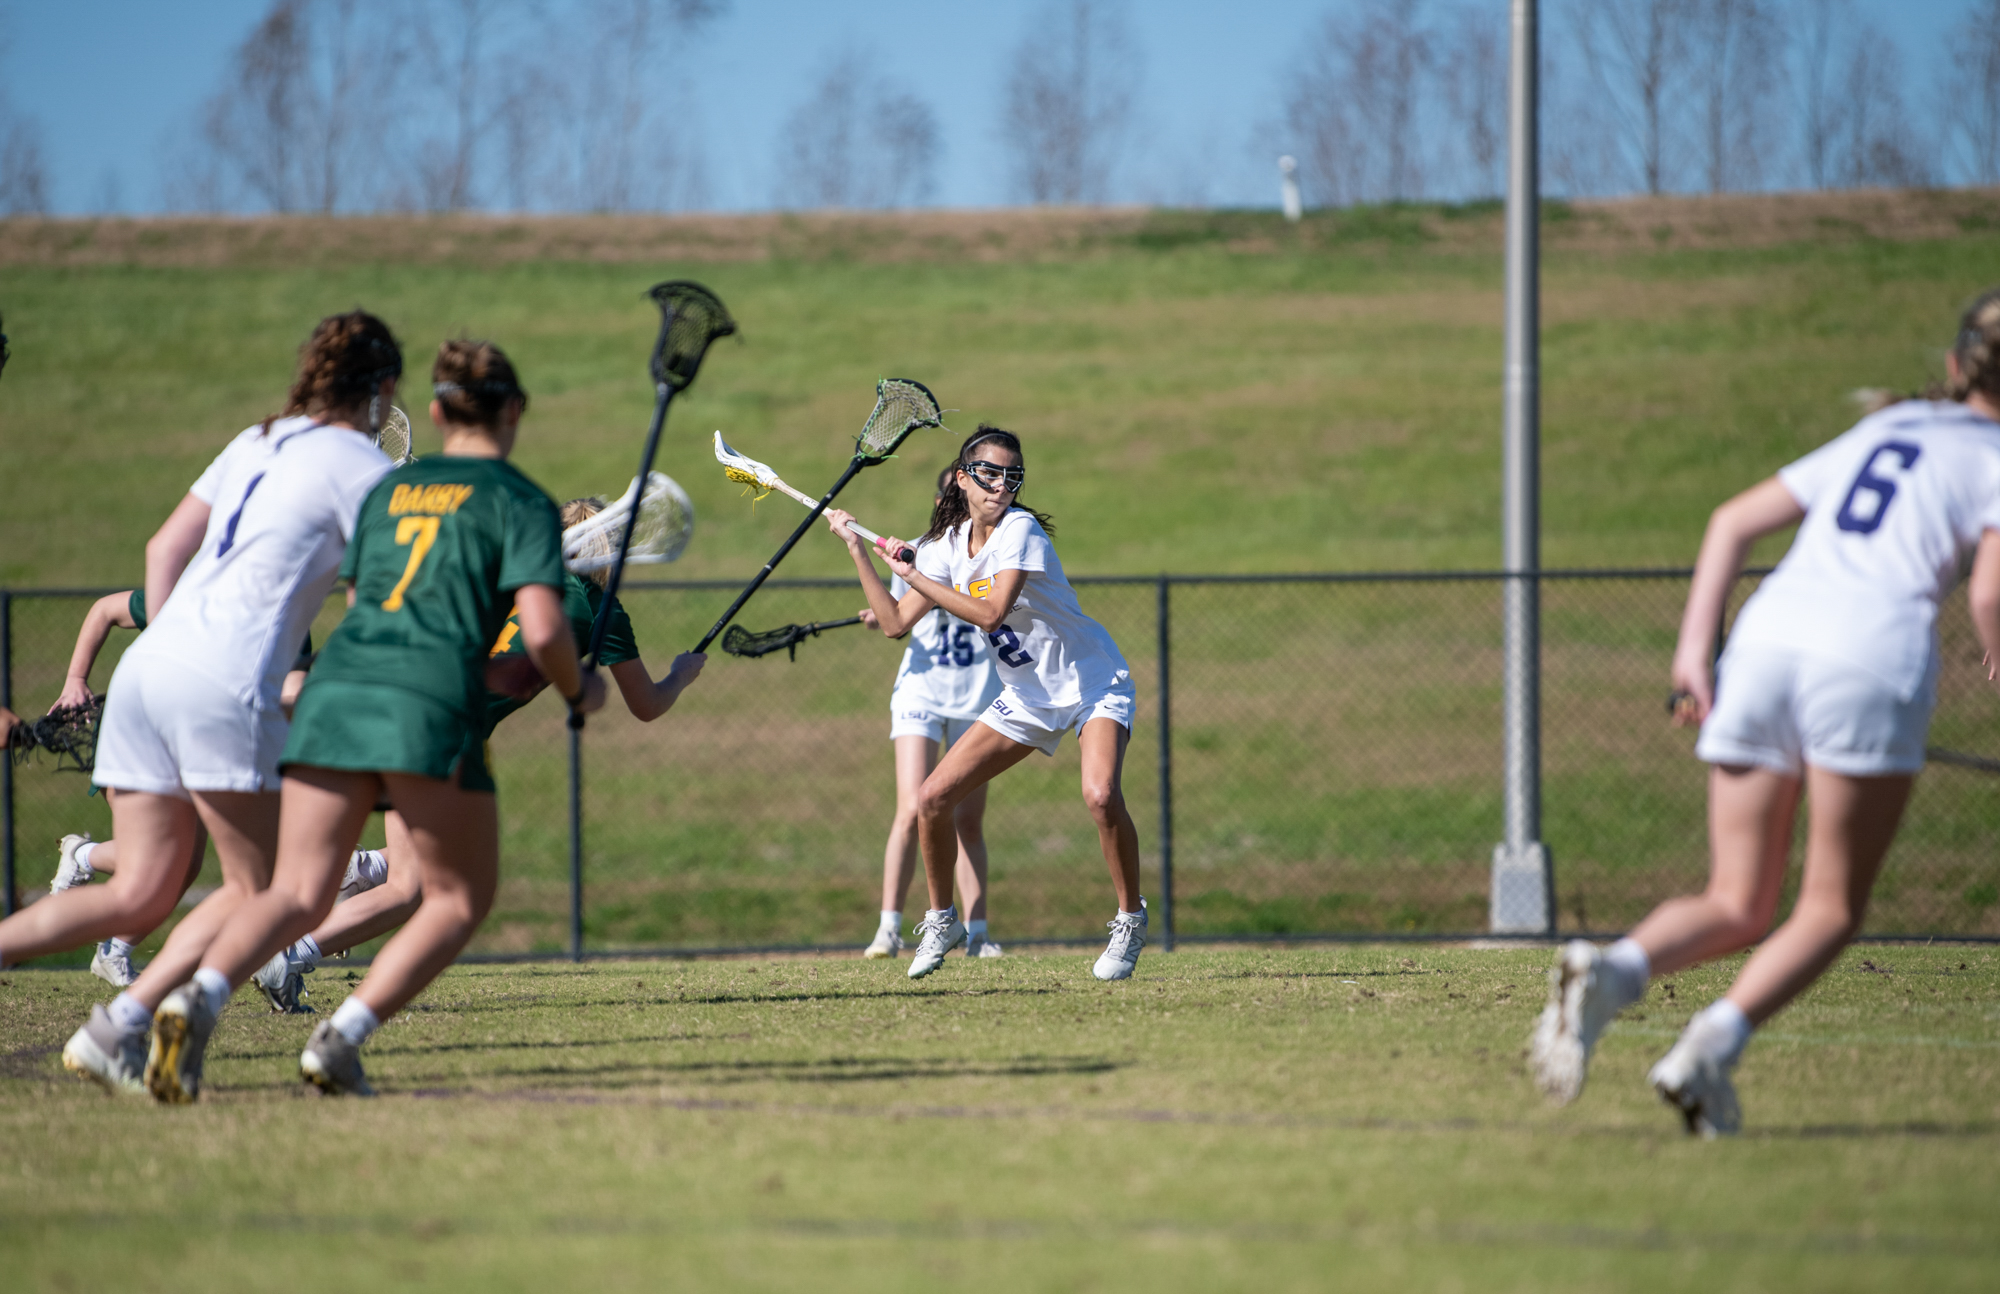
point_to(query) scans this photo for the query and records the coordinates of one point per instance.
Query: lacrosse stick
(741, 642)
(68, 733)
(901, 406)
(661, 534)
(393, 437)
(3, 349)
(749, 471)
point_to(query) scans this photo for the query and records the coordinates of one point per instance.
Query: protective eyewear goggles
(993, 478)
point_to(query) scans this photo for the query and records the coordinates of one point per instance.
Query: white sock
(129, 1013)
(307, 950)
(354, 1021)
(1720, 1030)
(976, 929)
(371, 866)
(948, 915)
(214, 986)
(891, 922)
(83, 853)
(1631, 970)
(1135, 911)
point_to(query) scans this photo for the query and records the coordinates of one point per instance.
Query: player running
(987, 560)
(397, 704)
(193, 725)
(1826, 686)
(355, 921)
(946, 680)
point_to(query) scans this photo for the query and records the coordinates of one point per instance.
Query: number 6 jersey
(1050, 653)
(1894, 508)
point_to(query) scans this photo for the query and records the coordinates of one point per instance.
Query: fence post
(575, 842)
(7, 756)
(1166, 771)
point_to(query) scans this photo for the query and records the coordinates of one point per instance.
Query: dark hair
(473, 381)
(342, 364)
(952, 508)
(1978, 349)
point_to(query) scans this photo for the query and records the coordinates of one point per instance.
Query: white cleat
(181, 1028)
(281, 982)
(937, 934)
(1121, 955)
(333, 1064)
(357, 879)
(106, 1055)
(72, 871)
(113, 965)
(1577, 1013)
(887, 944)
(1698, 1086)
(981, 946)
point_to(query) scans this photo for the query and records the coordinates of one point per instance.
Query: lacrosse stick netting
(660, 534)
(394, 439)
(690, 318)
(741, 642)
(68, 734)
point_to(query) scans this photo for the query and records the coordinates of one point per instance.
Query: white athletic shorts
(1780, 709)
(913, 721)
(169, 731)
(1043, 726)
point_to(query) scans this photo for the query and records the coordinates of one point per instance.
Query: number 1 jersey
(1894, 508)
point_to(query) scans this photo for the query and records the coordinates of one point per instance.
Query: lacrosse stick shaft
(602, 625)
(907, 554)
(853, 467)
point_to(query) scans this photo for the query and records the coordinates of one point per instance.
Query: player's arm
(546, 635)
(8, 722)
(170, 550)
(1765, 507)
(1983, 594)
(113, 610)
(288, 692)
(985, 613)
(893, 618)
(648, 700)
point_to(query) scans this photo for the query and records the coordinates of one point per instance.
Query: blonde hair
(1978, 349)
(577, 511)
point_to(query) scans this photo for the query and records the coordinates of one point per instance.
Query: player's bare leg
(974, 760)
(1103, 743)
(139, 897)
(969, 819)
(916, 756)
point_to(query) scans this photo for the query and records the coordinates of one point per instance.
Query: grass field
(1279, 1119)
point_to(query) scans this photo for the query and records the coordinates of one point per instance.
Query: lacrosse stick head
(743, 469)
(741, 642)
(660, 534)
(690, 318)
(69, 734)
(901, 406)
(393, 437)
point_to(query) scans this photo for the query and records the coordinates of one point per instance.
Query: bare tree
(1874, 144)
(1636, 51)
(1069, 100)
(845, 146)
(1474, 62)
(1820, 38)
(619, 100)
(1733, 79)
(1971, 99)
(1352, 103)
(24, 171)
(455, 35)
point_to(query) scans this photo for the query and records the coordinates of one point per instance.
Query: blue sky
(109, 80)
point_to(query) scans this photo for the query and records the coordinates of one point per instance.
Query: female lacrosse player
(354, 921)
(1826, 686)
(987, 560)
(397, 703)
(946, 680)
(192, 724)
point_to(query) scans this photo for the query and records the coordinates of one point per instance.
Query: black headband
(489, 387)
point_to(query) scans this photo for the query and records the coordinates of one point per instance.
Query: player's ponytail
(1978, 349)
(473, 381)
(342, 366)
(951, 508)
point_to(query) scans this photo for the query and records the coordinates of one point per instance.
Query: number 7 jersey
(1894, 508)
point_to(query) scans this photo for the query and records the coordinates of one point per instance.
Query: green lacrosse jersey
(438, 550)
(581, 599)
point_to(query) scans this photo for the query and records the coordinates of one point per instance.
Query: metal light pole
(1523, 894)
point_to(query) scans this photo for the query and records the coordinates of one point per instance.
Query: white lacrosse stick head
(666, 523)
(741, 467)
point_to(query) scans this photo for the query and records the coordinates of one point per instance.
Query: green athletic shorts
(377, 728)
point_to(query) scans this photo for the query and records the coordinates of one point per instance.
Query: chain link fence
(1333, 767)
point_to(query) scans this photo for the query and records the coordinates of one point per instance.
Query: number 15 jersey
(1894, 508)
(1050, 653)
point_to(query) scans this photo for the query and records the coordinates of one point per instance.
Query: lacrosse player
(395, 869)
(946, 680)
(1826, 686)
(987, 560)
(397, 703)
(192, 727)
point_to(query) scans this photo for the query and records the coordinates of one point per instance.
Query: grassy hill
(1198, 391)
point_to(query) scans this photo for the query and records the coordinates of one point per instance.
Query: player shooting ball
(987, 559)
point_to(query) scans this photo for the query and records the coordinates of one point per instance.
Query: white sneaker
(937, 934)
(113, 965)
(1579, 1009)
(72, 871)
(333, 1064)
(355, 881)
(281, 982)
(981, 946)
(104, 1054)
(1698, 1086)
(887, 944)
(1121, 955)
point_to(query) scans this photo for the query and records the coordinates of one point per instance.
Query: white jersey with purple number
(1050, 652)
(947, 667)
(1894, 508)
(282, 506)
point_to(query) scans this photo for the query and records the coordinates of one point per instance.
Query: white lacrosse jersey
(282, 508)
(1894, 508)
(947, 666)
(1049, 652)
